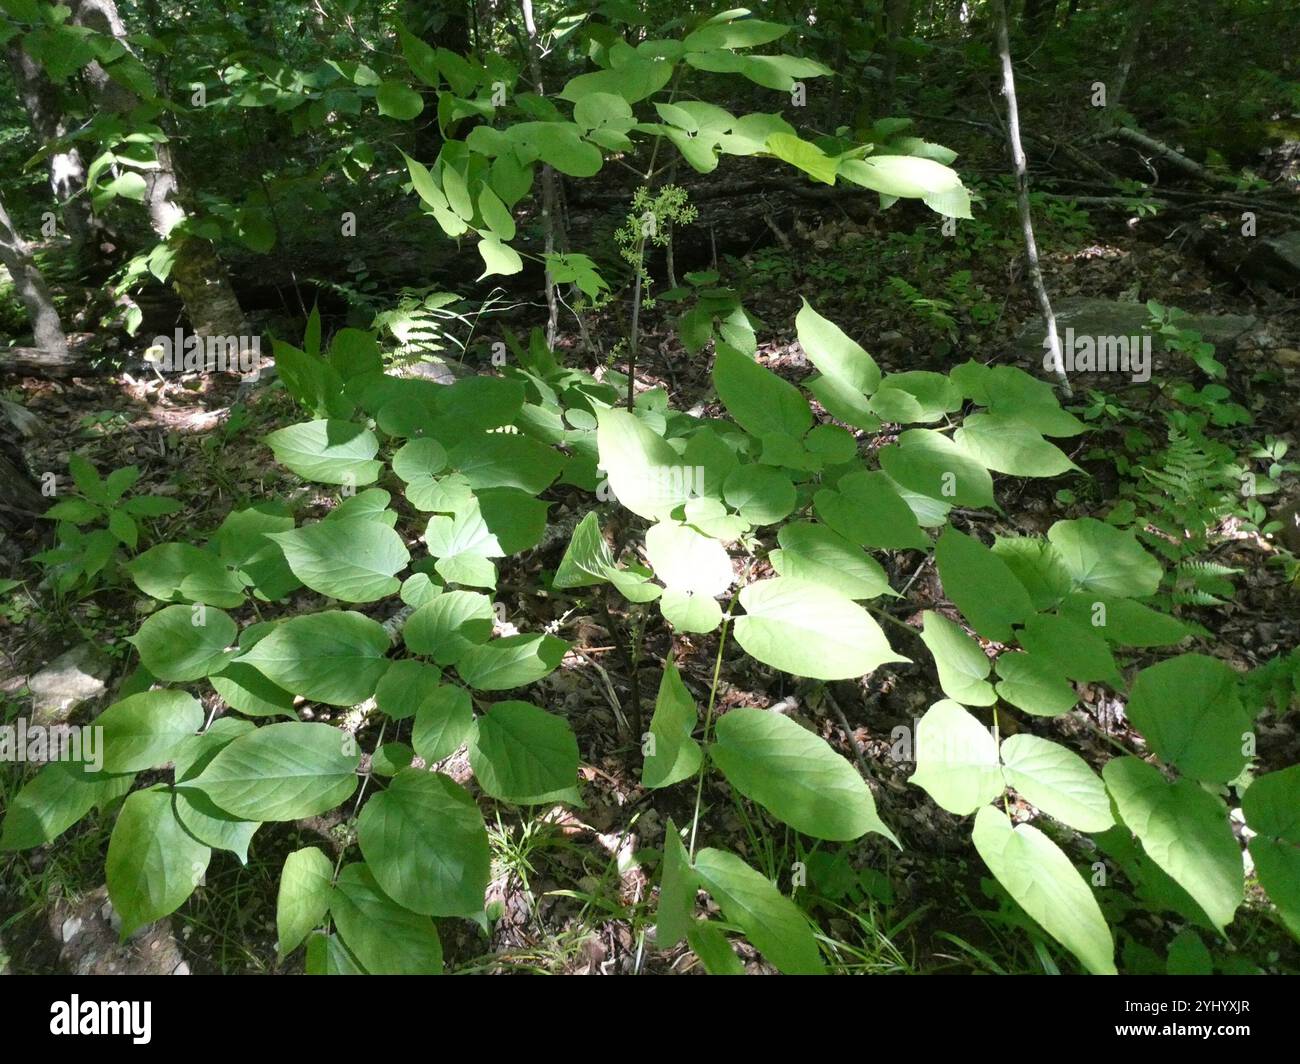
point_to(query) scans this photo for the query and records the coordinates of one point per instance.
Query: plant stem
(708, 720)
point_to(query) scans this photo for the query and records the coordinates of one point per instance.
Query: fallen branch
(1175, 158)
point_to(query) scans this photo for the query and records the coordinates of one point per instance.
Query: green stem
(708, 719)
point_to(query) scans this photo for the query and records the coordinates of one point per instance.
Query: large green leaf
(184, 643)
(1034, 685)
(674, 755)
(818, 554)
(1272, 808)
(306, 883)
(956, 759)
(445, 628)
(145, 730)
(1105, 559)
(759, 400)
(1047, 886)
(353, 559)
(963, 666)
(443, 720)
(832, 352)
(865, 508)
(1185, 830)
(329, 452)
(178, 571)
(1056, 780)
(335, 657)
(524, 755)
(645, 474)
(153, 863)
(809, 630)
(514, 661)
(282, 772)
(1190, 712)
(981, 585)
(55, 799)
(928, 462)
(770, 920)
(677, 887)
(687, 561)
(424, 840)
(386, 938)
(1008, 445)
(794, 775)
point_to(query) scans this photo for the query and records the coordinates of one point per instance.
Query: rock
(1107, 317)
(89, 941)
(74, 677)
(1275, 260)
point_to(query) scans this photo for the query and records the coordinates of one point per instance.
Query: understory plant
(767, 526)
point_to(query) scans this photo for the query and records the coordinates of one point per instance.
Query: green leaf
(761, 494)
(963, 666)
(1124, 622)
(759, 400)
(1072, 649)
(1058, 781)
(212, 826)
(335, 657)
(511, 662)
(918, 395)
(794, 775)
(587, 559)
(687, 561)
(506, 460)
(1034, 685)
(424, 842)
(405, 686)
(524, 755)
(743, 33)
(928, 462)
(710, 944)
(328, 452)
(817, 554)
(770, 920)
(1185, 830)
(911, 177)
(677, 887)
(645, 474)
(183, 643)
(449, 625)
(810, 630)
(1047, 886)
(243, 688)
(399, 101)
(1104, 559)
(956, 759)
(498, 259)
(803, 155)
(1008, 445)
(59, 795)
(443, 722)
(674, 755)
(864, 507)
(178, 571)
(386, 938)
(981, 585)
(1190, 712)
(1272, 808)
(282, 772)
(153, 863)
(353, 559)
(144, 731)
(327, 955)
(306, 883)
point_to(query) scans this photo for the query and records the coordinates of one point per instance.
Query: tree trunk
(1022, 199)
(32, 290)
(1137, 21)
(550, 193)
(197, 274)
(67, 169)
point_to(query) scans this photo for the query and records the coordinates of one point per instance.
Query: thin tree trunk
(197, 274)
(1022, 198)
(550, 195)
(1137, 22)
(66, 167)
(32, 290)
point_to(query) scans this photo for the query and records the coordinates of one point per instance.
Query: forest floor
(570, 891)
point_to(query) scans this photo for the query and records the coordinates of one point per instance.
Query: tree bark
(32, 290)
(67, 170)
(197, 274)
(1022, 199)
(1128, 53)
(550, 193)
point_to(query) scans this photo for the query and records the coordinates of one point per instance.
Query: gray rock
(1275, 260)
(77, 676)
(1107, 317)
(90, 943)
